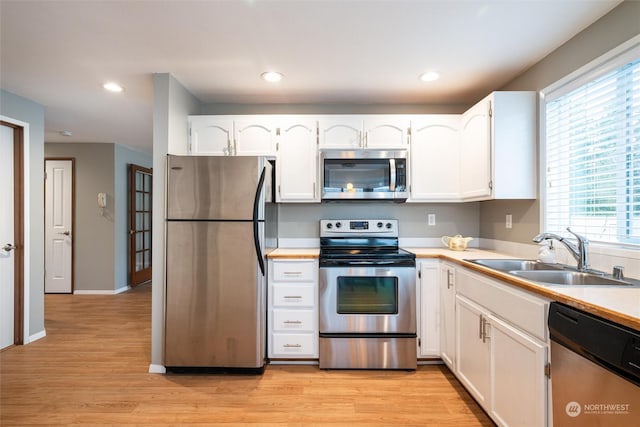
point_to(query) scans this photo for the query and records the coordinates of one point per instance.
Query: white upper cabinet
(435, 158)
(362, 132)
(497, 148)
(475, 152)
(344, 132)
(230, 136)
(210, 135)
(297, 166)
(386, 132)
(255, 136)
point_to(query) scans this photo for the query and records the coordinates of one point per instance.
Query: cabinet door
(341, 132)
(429, 310)
(475, 152)
(254, 137)
(519, 384)
(447, 315)
(435, 159)
(297, 174)
(472, 354)
(386, 132)
(210, 135)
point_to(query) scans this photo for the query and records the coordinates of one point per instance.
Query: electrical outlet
(431, 219)
(509, 221)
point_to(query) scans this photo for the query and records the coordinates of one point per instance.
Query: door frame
(18, 230)
(73, 218)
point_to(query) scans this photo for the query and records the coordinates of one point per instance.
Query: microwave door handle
(392, 174)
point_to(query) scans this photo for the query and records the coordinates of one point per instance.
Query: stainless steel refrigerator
(221, 223)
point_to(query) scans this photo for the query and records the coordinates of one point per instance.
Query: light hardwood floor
(92, 369)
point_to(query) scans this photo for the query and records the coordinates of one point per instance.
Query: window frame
(624, 53)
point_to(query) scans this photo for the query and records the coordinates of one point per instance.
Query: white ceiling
(58, 53)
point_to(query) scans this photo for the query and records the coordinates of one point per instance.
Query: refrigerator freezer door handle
(256, 222)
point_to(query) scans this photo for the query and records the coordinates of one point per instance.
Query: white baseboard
(122, 289)
(36, 336)
(101, 291)
(157, 369)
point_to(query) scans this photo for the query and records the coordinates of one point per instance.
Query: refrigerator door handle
(256, 221)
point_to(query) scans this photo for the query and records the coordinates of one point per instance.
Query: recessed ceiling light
(272, 76)
(112, 87)
(429, 76)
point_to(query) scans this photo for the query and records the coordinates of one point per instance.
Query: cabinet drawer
(294, 345)
(295, 271)
(526, 311)
(286, 295)
(293, 320)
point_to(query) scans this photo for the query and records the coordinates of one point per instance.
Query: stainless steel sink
(560, 277)
(515, 264)
(551, 274)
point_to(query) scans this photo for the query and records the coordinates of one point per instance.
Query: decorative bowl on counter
(457, 242)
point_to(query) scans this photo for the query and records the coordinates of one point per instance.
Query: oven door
(368, 300)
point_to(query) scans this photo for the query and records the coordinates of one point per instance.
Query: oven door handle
(350, 263)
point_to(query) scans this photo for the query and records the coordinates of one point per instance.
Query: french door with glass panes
(140, 195)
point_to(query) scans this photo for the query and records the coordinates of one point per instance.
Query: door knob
(66, 233)
(8, 247)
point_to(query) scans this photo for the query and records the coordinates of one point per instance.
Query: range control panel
(334, 227)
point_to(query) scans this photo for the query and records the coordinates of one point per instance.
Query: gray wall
(24, 110)
(124, 156)
(301, 220)
(100, 251)
(613, 29)
(172, 103)
(93, 231)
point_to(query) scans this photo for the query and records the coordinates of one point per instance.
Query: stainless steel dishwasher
(595, 370)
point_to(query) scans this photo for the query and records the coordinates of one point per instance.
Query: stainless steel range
(367, 296)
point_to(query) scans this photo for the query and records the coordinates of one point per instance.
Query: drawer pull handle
(292, 296)
(293, 322)
(292, 345)
(292, 273)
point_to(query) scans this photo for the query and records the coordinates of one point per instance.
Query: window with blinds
(592, 154)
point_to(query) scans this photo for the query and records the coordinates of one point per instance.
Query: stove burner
(362, 242)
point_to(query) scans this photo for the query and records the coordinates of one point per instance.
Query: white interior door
(7, 289)
(58, 220)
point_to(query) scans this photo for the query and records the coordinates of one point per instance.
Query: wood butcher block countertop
(618, 304)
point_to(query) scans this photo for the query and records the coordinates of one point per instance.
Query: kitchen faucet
(579, 252)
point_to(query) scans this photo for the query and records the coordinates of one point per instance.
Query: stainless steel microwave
(364, 175)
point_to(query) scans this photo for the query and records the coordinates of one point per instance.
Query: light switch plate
(431, 219)
(509, 221)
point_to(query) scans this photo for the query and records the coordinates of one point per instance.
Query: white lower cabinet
(473, 361)
(448, 314)
(517, 368)
(500, 364)
(428, 308)
(292, 309)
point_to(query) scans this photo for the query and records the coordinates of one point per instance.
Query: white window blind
(592, 156)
